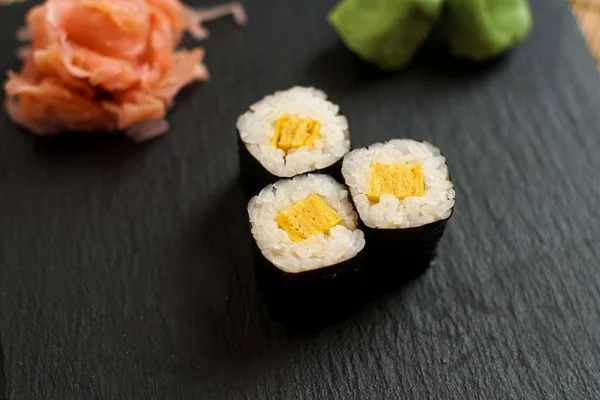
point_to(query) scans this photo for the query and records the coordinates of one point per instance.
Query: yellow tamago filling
(307, 218)
(292, 132)
(401, 180)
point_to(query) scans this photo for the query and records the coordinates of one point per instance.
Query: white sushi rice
(343, 242)
(257, 127)
(390, 212)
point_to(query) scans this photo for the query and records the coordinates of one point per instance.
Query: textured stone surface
(126, 272)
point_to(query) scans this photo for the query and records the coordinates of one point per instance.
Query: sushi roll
(289, 133)
(308, 245)
(404, 196)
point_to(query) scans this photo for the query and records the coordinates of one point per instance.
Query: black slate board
(125, 269)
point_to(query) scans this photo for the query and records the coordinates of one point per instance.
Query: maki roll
(289, 133)
(404, 196)
(308, 243)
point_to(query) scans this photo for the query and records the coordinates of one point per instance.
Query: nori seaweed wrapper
(401, 255)
(254, 177)
(309, 300)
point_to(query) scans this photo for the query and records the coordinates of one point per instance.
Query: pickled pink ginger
(105, 65)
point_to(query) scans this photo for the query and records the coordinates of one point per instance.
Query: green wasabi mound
(385, 32)
(483, 29)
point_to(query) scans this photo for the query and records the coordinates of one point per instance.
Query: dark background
(126, 272)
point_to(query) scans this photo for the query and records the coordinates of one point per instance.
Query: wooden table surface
(587, 13)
